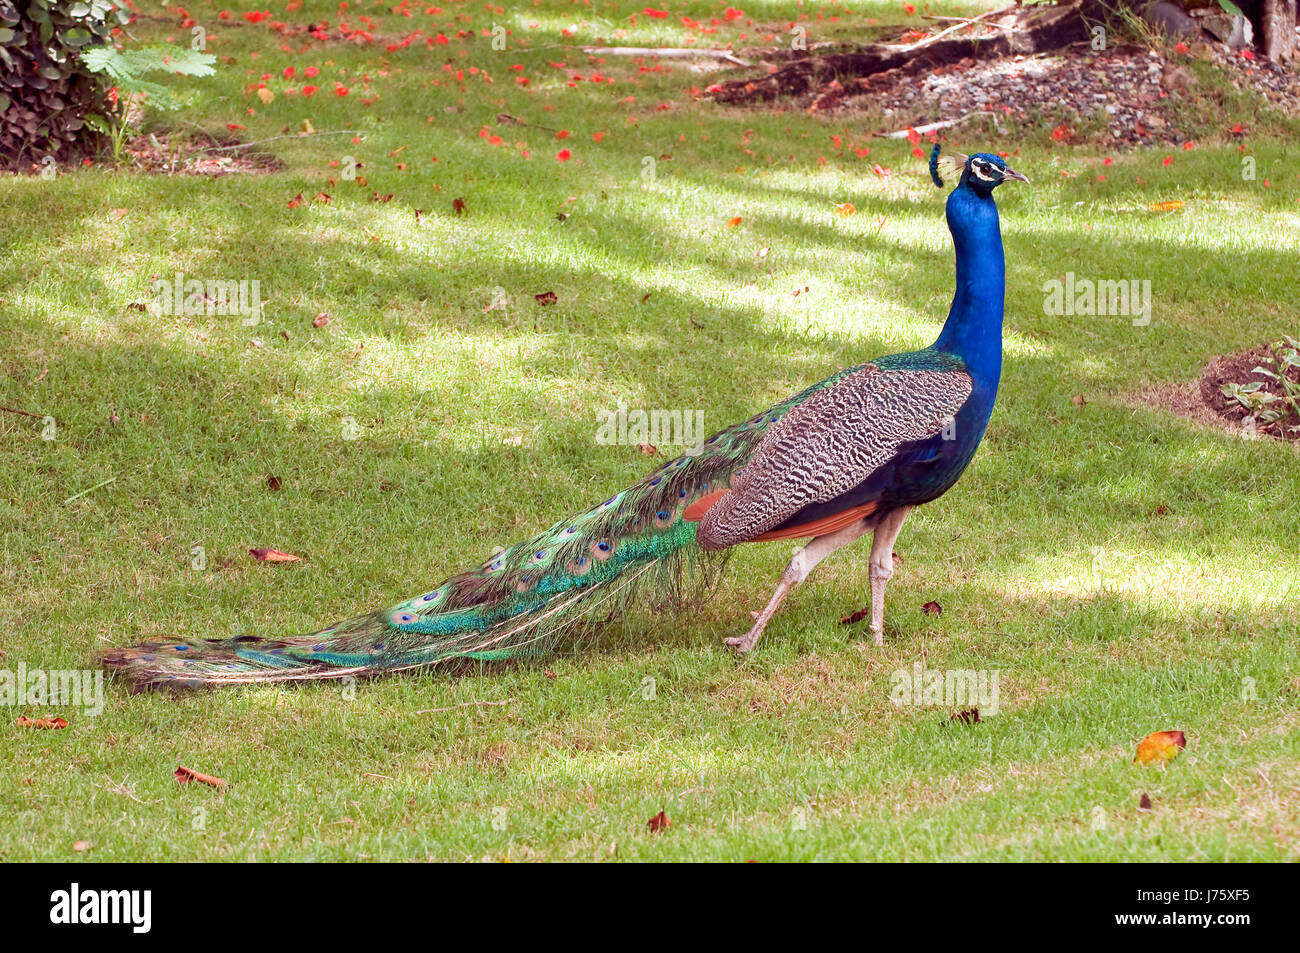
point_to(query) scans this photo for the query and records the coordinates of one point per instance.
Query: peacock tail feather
(518, 602)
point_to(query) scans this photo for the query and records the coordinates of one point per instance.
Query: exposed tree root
(833, 77)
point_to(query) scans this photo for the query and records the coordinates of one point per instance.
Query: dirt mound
(1239, 369)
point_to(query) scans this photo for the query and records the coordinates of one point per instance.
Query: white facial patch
(982, 169)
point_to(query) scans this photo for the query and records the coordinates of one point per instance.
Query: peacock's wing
(829, 444)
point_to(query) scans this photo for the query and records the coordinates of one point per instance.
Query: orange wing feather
(820, 527)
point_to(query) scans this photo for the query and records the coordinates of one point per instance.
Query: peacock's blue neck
(973, 330)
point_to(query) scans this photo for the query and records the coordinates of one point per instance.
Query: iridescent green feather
(517, 602)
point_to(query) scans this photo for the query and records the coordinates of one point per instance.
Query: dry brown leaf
(546, 297)
(932, 608)
(648, 449)
(658, 823)
(970, 716)
(320, 320)
(856, 617)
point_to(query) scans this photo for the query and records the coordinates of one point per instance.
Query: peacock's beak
(1010, 173)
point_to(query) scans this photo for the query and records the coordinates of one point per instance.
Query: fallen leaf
(458, 206)
(856, 617)
(648, 449)
(186, 775)
(297, 200)
(658, 823)
(734, 222)
(320, 320)
(1145, 803)
(971, 716)
(25, 722)
(846, 209)
(932, 608)
(273, 556)
(1079, 401)
(81, 846)
(119, 213)
(549, 674)
(1166, 206)
(546, 297)
(1159, 746)
(273, 483)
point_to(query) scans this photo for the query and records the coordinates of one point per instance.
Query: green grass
(1126, 571)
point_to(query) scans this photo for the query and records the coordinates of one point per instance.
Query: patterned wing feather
(830, 443)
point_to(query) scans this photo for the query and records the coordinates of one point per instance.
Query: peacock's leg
(882, 566)
(797, 571)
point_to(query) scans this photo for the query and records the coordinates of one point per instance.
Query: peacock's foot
(743, 643)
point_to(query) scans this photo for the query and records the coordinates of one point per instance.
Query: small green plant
(1259, 402)
(127, 70)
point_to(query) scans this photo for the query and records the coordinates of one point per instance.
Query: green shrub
(46, 91)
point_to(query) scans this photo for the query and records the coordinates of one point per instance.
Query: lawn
(1122, 569)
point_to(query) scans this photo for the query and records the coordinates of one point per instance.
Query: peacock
(850, 455)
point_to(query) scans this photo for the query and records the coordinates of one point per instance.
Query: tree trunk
(1274, 22)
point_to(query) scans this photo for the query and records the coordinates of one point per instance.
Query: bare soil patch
(178, 155)
(1203, 400)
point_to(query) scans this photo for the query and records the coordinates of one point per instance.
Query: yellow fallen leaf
(1166, 206)
(1159, 746)
(846, 209)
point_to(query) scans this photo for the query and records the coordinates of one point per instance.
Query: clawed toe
(741, 643)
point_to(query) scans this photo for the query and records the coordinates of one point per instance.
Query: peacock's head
(985, 172)
(982, 171)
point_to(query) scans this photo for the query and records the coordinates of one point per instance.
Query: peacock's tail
(519, 602)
